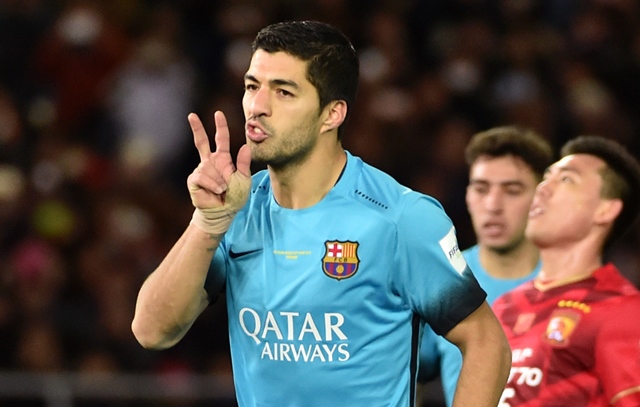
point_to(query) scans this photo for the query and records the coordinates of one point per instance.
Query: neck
(571, 262)
(515, 263)
(304, 184)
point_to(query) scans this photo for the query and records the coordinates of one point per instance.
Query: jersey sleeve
(617, 353)
(433, 276)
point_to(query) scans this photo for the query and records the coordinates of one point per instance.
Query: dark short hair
(519, 142)
(333, 65)
(621, 178)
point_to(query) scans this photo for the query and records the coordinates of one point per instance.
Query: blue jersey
(446, 354)
(327, 304)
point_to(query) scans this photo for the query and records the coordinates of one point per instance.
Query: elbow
(506, 358)
(507, 353)
(149, 338)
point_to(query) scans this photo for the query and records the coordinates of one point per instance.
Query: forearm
(486, 359)
(173, 295)
(483, 376)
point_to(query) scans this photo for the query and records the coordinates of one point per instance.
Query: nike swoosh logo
(235, 255)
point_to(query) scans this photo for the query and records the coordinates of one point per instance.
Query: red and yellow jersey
(576, 344)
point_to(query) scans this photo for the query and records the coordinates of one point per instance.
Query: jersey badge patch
(340, 259)
(562, 324)
(449, 245)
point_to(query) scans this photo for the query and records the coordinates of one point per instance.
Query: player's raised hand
(218, 188)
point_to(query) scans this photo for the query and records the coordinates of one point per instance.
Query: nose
(544, 187)
(494, 200)
(258, 102)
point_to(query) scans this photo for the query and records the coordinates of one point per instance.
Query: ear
(608, 211)
(334, 114)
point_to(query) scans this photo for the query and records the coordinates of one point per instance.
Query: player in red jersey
(574, 331)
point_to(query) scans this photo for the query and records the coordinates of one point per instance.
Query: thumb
(243, 161)
(240, 181)
(238, 192)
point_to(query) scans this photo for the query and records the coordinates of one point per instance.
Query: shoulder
(377, 183)
(610, 280)
(618, 315)
(515, 295)
(623, 302)
(380, 192)
(471, 254)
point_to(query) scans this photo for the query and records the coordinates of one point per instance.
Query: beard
(287, 150)
(508, 246)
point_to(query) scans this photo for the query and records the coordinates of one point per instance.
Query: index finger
(222, 132)
(200, 138)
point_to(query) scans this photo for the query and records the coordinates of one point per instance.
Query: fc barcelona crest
(340, 259)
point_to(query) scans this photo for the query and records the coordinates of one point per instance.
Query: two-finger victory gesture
(218, 188)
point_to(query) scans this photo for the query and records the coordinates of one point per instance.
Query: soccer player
(574, 329)
(505, 165)
(329, 266)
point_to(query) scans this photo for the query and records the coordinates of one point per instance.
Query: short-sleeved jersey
(576, 344)
(494, 286)
(447, 355)
(326, 305)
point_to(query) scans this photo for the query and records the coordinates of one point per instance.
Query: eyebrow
(507, 183)
(564, 168)
(272, 82)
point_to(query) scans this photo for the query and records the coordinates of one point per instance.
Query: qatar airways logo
(280, 335)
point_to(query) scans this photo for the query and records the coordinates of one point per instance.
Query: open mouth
(255, 132)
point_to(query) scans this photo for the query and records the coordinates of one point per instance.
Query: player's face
(281, 109)
(565, 206)
(498, 198)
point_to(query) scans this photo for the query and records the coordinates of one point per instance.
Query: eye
(285, 93)
(515, 188)
(249, 87)
(566, 178)
(479, 189)
(514, 191)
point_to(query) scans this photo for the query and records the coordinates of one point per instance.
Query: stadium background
(95, 150)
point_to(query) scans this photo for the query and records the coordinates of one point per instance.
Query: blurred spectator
(39, 348)
(73, 62)
(151, 96)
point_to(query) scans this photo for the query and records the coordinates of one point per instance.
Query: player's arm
(486, 358)
(173, 295)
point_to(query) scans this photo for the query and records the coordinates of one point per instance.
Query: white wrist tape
(216, 221)
(213, 221)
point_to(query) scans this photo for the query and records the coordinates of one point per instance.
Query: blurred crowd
(95, 147)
